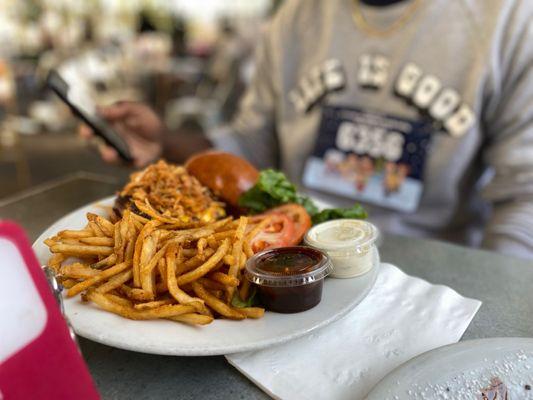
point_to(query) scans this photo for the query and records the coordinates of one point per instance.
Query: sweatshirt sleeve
(252, 132)
(508, 119)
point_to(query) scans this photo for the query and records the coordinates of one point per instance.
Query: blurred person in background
(435, 96)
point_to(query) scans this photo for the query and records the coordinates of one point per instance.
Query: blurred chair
(12, 152)
(10, 147)
(215, 98)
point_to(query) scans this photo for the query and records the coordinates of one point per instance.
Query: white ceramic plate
(459, 371)
(220, 337)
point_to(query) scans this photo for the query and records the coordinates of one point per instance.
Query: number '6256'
(373, 141)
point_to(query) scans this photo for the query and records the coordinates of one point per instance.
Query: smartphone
(83, 107)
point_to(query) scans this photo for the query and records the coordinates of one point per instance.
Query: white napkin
(401, 317)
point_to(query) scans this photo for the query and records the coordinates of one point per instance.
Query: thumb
(117, 111)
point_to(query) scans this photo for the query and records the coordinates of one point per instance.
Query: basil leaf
(237, 302)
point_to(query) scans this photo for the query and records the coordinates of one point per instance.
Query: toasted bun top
(227, 175)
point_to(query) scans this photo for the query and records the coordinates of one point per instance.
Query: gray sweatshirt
(426, 126)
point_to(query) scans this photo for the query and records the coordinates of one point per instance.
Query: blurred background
(190, 60)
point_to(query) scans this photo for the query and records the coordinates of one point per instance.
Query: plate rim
(229, 349)
(458, 346)
(214, 350)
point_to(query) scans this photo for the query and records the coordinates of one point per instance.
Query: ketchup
(289, 279)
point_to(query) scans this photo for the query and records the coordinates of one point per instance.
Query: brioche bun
(227, 175)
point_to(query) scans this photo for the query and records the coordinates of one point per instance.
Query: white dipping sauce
(350, 244)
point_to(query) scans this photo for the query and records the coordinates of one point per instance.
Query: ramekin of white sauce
(350, 244)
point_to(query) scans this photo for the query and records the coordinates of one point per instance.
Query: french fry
(105, 262)
(212, 242)
(219, 294)
(68, 283)
(78, 271)
(164, 235)
(257, 228)
(153, 304)
(81, 250)
(193, 262)
(133, 233)
(139, 218)
(216, 304)
(211, 285)
(201, 245)
(106, 226)
(130, 248)
(137, 294)
(189, 236)
(193, 319)
(177, 227)
(50, 242)
(117, 239)
(138, 224)
(146, 231)
(71, 234)
(56, 260)
(253, 312)
(173, 288)
(165, 311)
(96, 229)
(97, 241)
(228, 259)
(215, 226)
(242, 260)
(69, 241)
(247, 249)
(237, 252)
(115, 282)
(188, 253)
(80, 287)
(120, 300)
(147, 209)
(148, 270)
(224, 235)
(206, 267)
(221, 224)
(126, 231)
(162, 269)
(224, 279)
(146, 274)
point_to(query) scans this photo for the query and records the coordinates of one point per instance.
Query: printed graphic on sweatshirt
(323, 79)
(423, 91)
(370, 157)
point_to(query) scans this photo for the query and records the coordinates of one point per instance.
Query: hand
(140, 127)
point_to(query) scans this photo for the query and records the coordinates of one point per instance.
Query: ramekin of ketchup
(289, 279)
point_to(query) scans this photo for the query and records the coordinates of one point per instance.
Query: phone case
(38, 357)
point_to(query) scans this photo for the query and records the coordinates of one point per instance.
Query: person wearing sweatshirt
(420, 110)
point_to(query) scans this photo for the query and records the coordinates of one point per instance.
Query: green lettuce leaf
(274, 189)
(357, 212)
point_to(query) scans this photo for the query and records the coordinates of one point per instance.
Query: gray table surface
(503, 284)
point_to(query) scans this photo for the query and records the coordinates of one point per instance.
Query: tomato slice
(299, 217)
(278, 233)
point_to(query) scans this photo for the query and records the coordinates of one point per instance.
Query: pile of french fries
(143, 268)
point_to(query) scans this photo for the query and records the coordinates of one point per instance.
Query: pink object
(38, 358)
